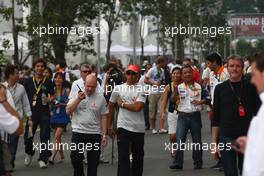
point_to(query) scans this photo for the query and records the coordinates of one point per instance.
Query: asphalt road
(156, 161)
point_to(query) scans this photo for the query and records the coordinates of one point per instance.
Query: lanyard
(39, 87)
(233, 90)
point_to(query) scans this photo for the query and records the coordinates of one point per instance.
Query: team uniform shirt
(158, 76)
(87, 116)
(128, 120)
(20, 98)
(254, 154)
(215, 79)
(80, 83)
(187, 95)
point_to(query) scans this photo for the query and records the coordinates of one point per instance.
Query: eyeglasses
(131, 73)
(87, 71)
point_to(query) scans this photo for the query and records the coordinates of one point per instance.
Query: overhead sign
(247, 25)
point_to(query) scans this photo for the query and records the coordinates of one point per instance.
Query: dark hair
(25, 67)
(49, 70)
(160, 59)
(63, 65)
(39, 61)
(214, 57)
(176, 68)
(235, 57)
(186, 66)
(63, 78)
(258, 58)
(10, 69)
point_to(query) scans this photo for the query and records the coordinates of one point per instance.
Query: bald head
(90, 84)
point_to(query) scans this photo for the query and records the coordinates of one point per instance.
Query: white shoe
(131, 158)
(163, 131)
(28, 160)
(154, 131)
(42, 164)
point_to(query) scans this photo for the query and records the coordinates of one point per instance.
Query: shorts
(172, 122)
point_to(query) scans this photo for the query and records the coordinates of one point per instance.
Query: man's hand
(81, 95)
(104, 141)
(196, 102)
(215, 151)
(30, 123)
(241, 144)
(119, 101)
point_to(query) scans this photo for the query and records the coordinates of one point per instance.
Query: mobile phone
(80, 90)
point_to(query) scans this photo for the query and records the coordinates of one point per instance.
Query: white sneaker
(154, 131)
(28, 160)
(131, 158)
(42, 164)
(163, 131)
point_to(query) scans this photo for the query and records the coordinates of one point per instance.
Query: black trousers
(125, 140)
(90, 143)
(2, 167)
(231, 160)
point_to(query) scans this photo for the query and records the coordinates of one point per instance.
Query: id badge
(34, 101)
(241, 111)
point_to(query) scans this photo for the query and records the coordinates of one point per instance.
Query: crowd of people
(125, 102)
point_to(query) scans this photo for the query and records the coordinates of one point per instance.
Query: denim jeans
(90, 142)
(13, 145)
(185, 123)
(231, 160)
(127, 140)
(43, 121)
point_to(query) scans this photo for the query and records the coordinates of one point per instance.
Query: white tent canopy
(149, 50)
(118, 49)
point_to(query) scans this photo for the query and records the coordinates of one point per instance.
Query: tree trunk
(59, 46)
(15, 34)
(180, 49)
(109, 43)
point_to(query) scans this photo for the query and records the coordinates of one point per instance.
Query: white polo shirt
(187, 95)
(131, 121)
(215, 79)
(87, 116)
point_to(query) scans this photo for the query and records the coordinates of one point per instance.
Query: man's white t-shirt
(128, 120)
(187, 95)
(87, 116)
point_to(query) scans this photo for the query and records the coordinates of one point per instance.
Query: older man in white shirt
(252, 145)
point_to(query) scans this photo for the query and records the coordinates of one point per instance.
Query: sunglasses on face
(87, 71)
(131, 73)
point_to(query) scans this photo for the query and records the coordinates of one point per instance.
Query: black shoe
(217, 166)
(198, 167)
(175, 167)
(221, 169)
